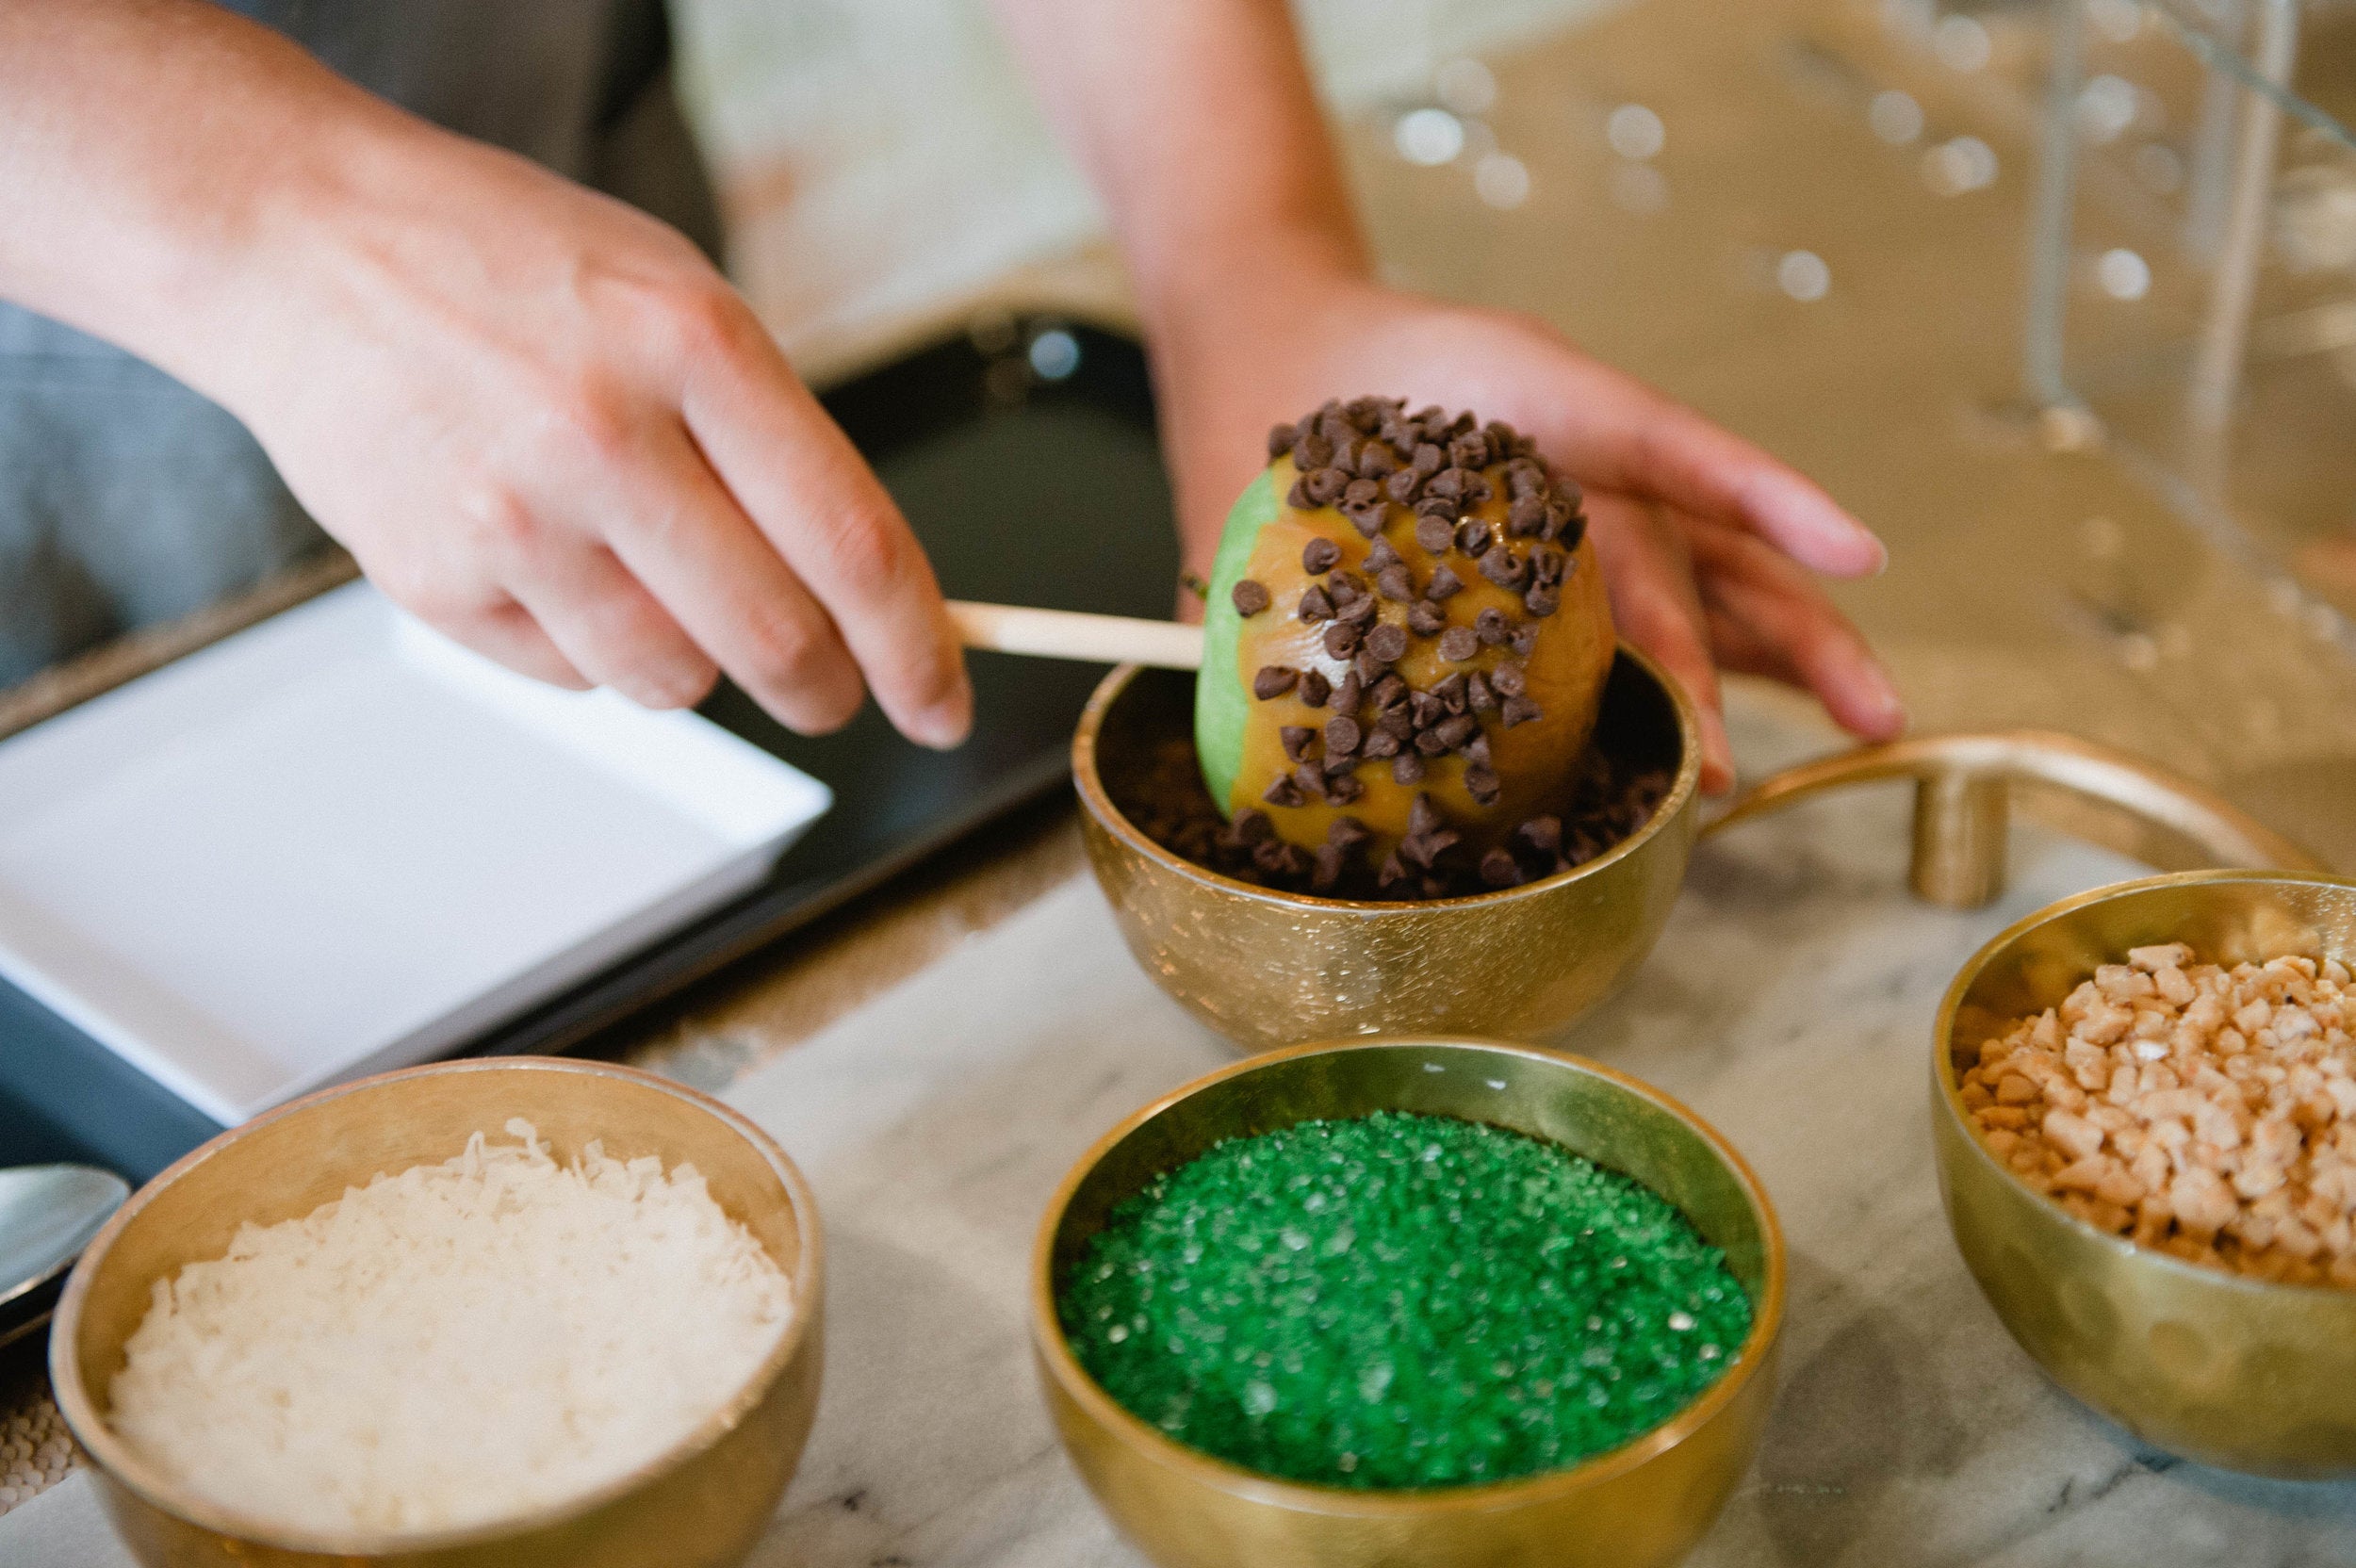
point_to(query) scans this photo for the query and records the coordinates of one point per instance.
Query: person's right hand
(544, 423)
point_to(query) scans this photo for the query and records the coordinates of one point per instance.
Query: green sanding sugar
(1400, 1300)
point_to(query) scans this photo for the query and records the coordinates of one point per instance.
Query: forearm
(1198, 124)
(159, 157)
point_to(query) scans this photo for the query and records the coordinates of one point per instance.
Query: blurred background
(2061, 298)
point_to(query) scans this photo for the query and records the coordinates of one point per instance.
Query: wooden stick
(1069, 635)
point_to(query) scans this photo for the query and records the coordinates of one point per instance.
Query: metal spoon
(48, 1214)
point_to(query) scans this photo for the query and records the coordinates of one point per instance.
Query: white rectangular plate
(338, 843)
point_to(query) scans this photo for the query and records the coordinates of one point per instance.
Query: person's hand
(1704, 541)
(547, 426)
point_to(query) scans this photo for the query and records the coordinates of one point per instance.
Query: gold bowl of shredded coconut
(515, 1311)
(2144, 1103)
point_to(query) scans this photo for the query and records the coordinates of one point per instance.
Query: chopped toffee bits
(1250, 598)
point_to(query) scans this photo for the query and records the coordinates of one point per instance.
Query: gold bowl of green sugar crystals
(1433, 1302)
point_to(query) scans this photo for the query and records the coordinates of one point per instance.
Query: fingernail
(945, 724)
(1888, 708)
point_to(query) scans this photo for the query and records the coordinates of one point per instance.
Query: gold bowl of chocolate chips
(1418, 785)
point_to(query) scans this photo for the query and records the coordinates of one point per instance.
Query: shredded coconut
(453, 1344)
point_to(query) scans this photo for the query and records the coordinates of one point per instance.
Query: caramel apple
(1405, 648)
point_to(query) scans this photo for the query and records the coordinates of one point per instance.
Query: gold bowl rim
(1055, 1353)
(1116, 822)
(1950, 1096)
(115, 1459)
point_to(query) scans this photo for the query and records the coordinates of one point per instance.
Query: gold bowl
(702, 1505)
(1642, 1504)
(1268, 969)
(2226, 1370)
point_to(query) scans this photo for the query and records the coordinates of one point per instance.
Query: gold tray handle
(1967, 785)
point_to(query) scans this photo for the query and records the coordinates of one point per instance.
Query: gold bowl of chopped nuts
(1267, 967)
(2145, 1118)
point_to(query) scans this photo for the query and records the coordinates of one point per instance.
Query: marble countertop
(1790, 1002)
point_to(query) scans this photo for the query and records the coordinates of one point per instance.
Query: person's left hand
(1706, 542)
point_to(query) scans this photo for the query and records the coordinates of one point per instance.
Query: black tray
(1024, 456)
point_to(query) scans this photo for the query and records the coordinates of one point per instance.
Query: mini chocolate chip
(1315, 605)
(1448, 484)
(1423, 816)
(1454, 733)
(1347, 833)
(1445, 584)
(1491, 628)
(1273, 680)
(1458, 644)
(1253, 825)
(1366, 520)
(1320, 555)
(1542, 600)
(1476, 490)
(1379, 744)
(1250, 597)
(1426, 619)
(1547, 563)
(1509, 680)
(1524, 478)
(1428, 459)
(1481, 783)
(1380, 558)
(1392, 874)
(1501, 439)
(1426, 708)
(1396, 582)
(1315, 688)
(1477, 750)
(1296, 738)
(1573, 532)
(1280, 440)
(1407, 768)
(1398, 722)
(1341, 639)
(1388, 643)
(1327, 871)
(1272, 857)
(1438, 506)
(1436, 887)
(1369, 666)
(1526, 516)
(1283, 791)
(1472, 538)
(1560, 511)
(1376, 460)
(1437, 844)
(1361, 493)
(1361, 612)
(1389, 693)
(1403, 486)
(1433, 534)
(1542, 834)
(1309, 778)
(1335, 766)
(1298, 497)
(1524, 639)
(1344, 788)
(1311, 452)
(1326, 486)
(1498, 870)
(1469, 452)
(1506, 569)
(1342, 736)
(1430, 744)
(1477, 693)
(1517, 711)
(1346, 693)
(1451, 691)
